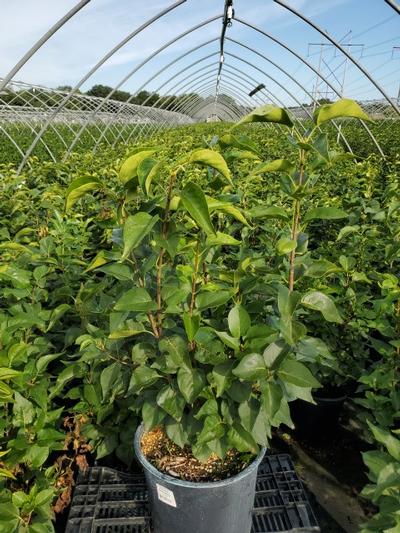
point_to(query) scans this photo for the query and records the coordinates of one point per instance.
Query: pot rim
(192, 484)
(330, 399)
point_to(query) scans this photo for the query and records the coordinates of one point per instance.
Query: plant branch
(160, 260)
(194, 278)
(296, 223)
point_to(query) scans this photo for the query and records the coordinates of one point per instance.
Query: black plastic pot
(319, 420)
(186, 507)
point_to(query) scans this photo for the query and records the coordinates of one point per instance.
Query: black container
(319, 420)
(186, 507)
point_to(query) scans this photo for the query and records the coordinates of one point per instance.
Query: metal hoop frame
(105, 120)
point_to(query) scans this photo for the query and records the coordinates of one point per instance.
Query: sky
(102, 24)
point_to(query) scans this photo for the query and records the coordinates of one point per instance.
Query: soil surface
(178, 462)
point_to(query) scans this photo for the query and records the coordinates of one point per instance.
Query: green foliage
(165, 296)
(341, 109)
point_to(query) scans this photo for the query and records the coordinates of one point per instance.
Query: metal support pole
(158, 73)
(393, 5)
(93, 70)
(135, 70)
(170, 79)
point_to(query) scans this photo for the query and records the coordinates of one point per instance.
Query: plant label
(165, 495)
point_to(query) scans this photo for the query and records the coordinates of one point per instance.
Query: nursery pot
(188, 507)
(321, 419)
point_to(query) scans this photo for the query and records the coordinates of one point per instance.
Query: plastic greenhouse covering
(213, 56)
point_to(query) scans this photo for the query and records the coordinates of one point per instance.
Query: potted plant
(210, 381)
(300, 285)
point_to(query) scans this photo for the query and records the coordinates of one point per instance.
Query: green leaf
(283, 415)
(56, 314)
(176, 348)
(9, 518)
(238, 321)
(37, 455)
(279, 165)
(78, 188)
(212, 159)
(319, 301)
(221, 239)
(242, 440)
(176, 433)
(324, 213)
(117, 270)
(267, 113)
(229, 341)
(152, 415)
(227, 208)
(171, 402)
(106, 446)
(297, 373)
(302, 243)
(129, 168)
(251, 367)
(8, 373)
(213, 428)
(287, 302)
(240, 391)
(314, 350)
(145, 168)
(275, 353)
(248, 412)
(201, 452)
(210, 407)
(44, 526)
(136, 228)
(44, 497)
(137, 300)
(222, 376)
(286, 245)
(20, 498)
(242, 142)
(260, 211)
(195, 203)
(129, 328)
(141, 352)
(376, 461)
(23, 411)
(341, 108)
(192, 324)
(347, 230)
(208, 300)
(191, 383)
(6, 474)
(320, 268)
(142, 377)
(102, 258)
(111, 379)
(261, 430)
(42, 362)
(387, 439)
(271, 397)
(320, 145)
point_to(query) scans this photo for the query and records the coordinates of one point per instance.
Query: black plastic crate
(109, 501)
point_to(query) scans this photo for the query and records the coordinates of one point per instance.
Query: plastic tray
(109, 501)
